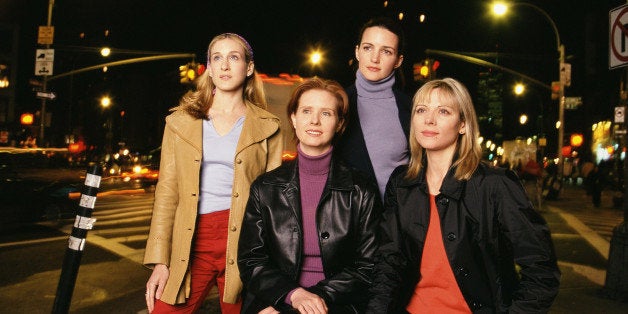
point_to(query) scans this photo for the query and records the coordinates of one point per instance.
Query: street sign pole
(42, 117)
(616, 283)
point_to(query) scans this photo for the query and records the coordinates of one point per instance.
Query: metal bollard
(76, 243)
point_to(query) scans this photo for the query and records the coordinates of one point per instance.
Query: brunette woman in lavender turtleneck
(308, 234)
(376, 139)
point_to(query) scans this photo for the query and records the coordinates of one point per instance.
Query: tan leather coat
(175, 209)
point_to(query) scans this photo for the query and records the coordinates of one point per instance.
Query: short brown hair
(331, 86)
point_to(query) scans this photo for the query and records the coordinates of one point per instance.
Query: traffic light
(27, 119)
(189, 72)
(426, 70)
(555, 89)
(576, 140)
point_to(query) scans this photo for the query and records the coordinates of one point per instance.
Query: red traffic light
(27, 119)
(435, 65)
(200, 69)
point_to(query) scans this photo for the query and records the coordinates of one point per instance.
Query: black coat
(271, 239)
(488, 225)
(351, 145)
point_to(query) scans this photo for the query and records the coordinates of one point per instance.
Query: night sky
(281, 32)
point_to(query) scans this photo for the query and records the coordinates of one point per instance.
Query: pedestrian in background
(308, 235)
(457, 235)
(376, 139)
(215, 143)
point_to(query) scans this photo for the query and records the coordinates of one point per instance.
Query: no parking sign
(618, 33)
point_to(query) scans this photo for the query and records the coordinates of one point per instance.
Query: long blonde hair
(197, 102)
(468, 151)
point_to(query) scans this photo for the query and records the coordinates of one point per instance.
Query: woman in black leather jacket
(453, 228)
(308, 234)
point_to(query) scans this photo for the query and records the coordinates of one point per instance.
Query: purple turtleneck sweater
(379, 118)
(313, 172)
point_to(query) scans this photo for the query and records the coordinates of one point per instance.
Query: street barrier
(76, 242)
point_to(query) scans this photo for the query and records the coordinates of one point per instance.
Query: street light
(500, 8)
(105, 102)
(520, 90)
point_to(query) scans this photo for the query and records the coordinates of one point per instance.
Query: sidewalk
(582, 252)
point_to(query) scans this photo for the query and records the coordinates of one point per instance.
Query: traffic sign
(44, 61)
(618, 35)
(573, 102)
(45, 35)
(46, 95)
(619, 114)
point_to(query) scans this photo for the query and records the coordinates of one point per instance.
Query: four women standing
(452, 231)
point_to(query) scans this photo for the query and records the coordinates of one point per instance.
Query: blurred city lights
(105, 101)
(500, 8)
(316, 57)
(105, 51)
(519, 89)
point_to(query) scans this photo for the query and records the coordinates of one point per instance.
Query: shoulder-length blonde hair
(468, 151)
(197, 102)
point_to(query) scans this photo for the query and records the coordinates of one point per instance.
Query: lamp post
(500, 9)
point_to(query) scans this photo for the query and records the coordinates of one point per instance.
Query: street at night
(87, 84)
(111, 278)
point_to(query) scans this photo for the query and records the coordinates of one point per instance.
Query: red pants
(207, 265)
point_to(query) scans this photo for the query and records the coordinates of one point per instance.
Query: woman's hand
(155, 285)
(307, 302)
(269, 310)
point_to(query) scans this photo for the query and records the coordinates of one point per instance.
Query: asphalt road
(111, 278)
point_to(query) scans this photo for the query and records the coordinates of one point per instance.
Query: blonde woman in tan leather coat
(192, 247)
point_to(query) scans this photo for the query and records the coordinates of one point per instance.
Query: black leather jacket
(271, 239)
(488, 225)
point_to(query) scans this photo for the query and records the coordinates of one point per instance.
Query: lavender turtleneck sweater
(385, 140)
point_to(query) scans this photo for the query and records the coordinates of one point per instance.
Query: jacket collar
(288, 176)
(259, 125)
(451, 186)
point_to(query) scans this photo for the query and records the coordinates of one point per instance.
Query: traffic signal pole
(616, 283)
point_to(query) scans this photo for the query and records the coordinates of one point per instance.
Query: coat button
(193, 194)
(451, 236)
(235, 194)
(238, 161)
(463, 271)
(231, 262)
(325, 235)
(234, 228)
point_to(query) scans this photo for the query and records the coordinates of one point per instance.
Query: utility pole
(616, 283)
(42, 118)
(561, 108)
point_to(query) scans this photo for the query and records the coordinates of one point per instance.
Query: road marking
(598, 276)
(35, 241)
(598, 242)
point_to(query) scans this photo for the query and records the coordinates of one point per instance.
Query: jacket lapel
(258, 126)
(189, 129)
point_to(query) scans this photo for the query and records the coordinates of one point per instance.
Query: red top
(437, 290)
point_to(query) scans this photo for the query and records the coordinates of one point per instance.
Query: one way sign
(46, 95)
